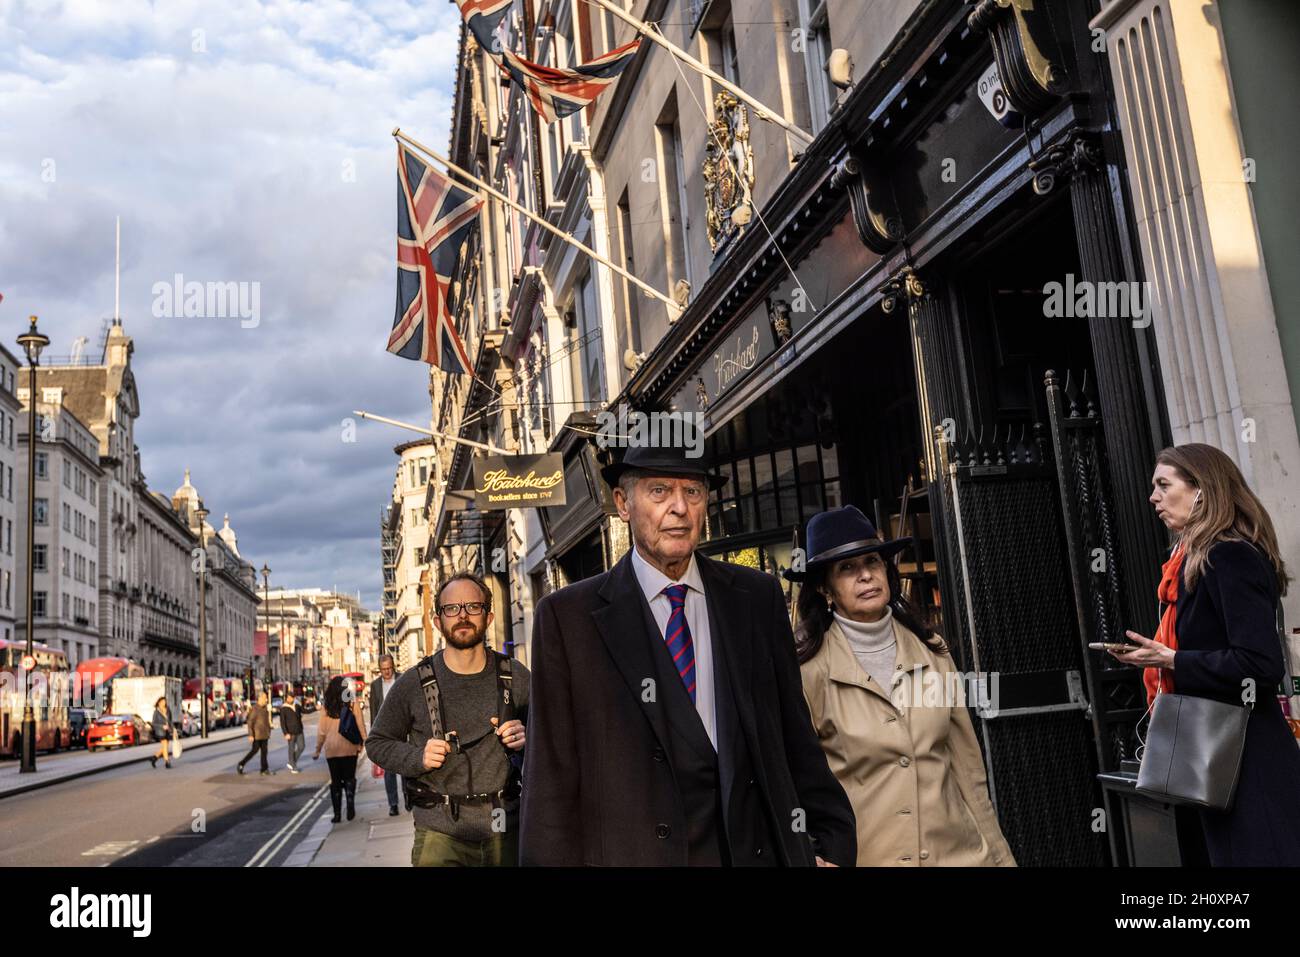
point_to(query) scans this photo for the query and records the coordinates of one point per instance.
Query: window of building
(719, 31)
(816, 51)
(67, 474)
(631, 295)
(42, 465)
(79, 482)
(424, 472)
(8, 590)
(10, 469)
(43, 511)
(40, 555)
(93, 529)
(64, 605)
(38, 604)
(65, 563)
(94, 492)
(672, 192)
(591, 352)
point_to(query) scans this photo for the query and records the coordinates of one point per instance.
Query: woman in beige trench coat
(889, 706)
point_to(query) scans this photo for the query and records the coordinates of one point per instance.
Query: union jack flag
(555, 93)
(434, 216)
(483, 17)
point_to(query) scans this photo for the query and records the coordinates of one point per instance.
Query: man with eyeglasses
(462, 780)
(668, 725)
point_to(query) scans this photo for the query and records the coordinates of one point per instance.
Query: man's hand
(511, 734)
(435, 752)
(824, 863)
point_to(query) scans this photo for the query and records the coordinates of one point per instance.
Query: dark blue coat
(1227, 633)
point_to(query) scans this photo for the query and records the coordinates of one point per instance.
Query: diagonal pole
(674, 307)
(763, 112)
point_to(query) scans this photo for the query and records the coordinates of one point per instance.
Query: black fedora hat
(843, 533)
(664, 460)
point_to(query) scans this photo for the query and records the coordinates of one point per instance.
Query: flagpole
(654, 34)
(437, 435)
(675, 308)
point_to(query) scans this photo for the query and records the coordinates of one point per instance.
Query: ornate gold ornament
(728, 171)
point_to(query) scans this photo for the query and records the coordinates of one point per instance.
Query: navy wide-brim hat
(843, 533)
(666, 460)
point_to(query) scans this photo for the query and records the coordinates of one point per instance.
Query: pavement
(64, 766)
(372, 839)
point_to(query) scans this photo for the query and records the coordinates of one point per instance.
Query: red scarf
(1162, 679)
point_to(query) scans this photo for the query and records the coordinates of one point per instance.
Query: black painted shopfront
(908, 367)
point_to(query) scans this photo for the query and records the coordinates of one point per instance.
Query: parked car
(237, 712)
(79, 719)
(189, 724)
(117, 730)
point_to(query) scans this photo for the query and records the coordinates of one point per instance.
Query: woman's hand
(1146, 654)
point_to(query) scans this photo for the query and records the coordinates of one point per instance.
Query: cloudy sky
(239, 141)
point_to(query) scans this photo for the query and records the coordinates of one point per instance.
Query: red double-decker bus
(51, 696)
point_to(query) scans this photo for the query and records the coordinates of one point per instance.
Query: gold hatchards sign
(518, 481)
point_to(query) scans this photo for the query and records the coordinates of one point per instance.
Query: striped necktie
(678, 638)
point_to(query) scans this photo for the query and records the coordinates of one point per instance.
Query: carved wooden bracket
(1029, 59)
(880, 227)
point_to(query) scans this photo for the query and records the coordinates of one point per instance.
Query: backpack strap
(429, 685)
(505, 689)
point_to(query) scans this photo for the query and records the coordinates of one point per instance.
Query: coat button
(752, 782)
(659, 755)
(662, 831)
(925, 855)
(759, 852)
(904, 761)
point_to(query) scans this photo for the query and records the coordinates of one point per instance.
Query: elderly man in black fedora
(668, 726)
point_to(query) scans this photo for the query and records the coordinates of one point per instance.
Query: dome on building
(228, 535)
(186, 497)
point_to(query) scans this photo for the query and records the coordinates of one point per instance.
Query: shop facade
(887, 341)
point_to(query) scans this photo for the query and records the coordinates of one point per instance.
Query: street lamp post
(266, 599)
(201, 514)
(32, 342)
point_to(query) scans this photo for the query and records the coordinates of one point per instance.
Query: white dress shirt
(653, 582)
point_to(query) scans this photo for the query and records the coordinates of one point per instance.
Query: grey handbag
(1193, 749)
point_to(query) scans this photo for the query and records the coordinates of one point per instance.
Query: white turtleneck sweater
(874, 645)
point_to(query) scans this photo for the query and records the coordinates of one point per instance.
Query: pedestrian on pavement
(463, 780)
(1218, 638)
(888, 705)
(336, 736)
(291, 725)
(667, 725)
(259, 733)
(379, 689)
(162, 732)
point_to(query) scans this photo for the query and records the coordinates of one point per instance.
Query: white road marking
(266, 852)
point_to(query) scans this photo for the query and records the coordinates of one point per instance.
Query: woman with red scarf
(1218, 638)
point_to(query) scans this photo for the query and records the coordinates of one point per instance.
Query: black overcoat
(597, 789)
(1227, 640)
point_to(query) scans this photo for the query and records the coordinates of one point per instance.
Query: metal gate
(1013, 617)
